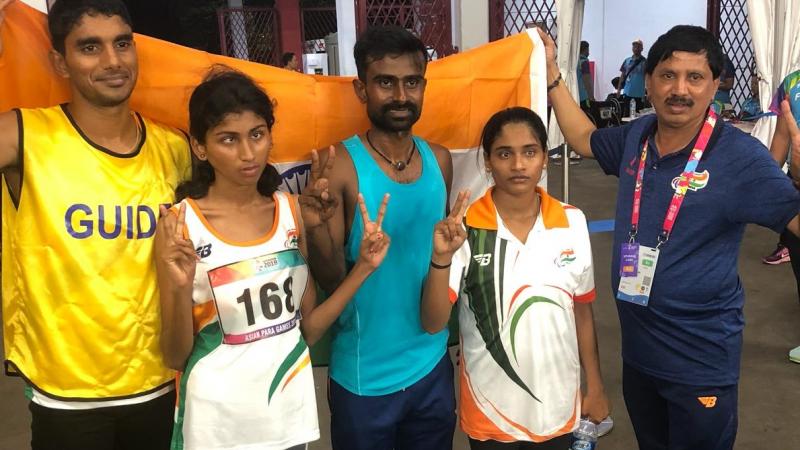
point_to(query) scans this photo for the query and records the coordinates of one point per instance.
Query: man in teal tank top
(391, 383)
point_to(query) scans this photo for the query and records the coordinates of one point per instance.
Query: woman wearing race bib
(238, 304)
(521, 264)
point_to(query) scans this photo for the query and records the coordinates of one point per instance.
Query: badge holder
(635, 288)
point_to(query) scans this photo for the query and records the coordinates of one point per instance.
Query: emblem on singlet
(291, 239)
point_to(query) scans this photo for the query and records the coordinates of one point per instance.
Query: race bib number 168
(259, 297)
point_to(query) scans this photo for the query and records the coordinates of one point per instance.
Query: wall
(611, 25)
(473, 30)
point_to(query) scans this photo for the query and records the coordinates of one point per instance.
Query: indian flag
(463, 91)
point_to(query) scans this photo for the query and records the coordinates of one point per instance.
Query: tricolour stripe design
(478, 284)
(287, 364)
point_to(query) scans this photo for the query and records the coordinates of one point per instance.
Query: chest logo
(204, 251)
(484, 259)
(698, 181)
(566, 256)
(291, 239)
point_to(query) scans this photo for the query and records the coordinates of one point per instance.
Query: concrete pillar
(474, 27)
(346, 29)
(291, 32)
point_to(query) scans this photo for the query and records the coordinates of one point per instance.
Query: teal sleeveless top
(379, 345)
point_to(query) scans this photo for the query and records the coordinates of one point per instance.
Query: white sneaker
(604, 427)
(794, 355)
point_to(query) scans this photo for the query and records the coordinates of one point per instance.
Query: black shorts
(145, 425)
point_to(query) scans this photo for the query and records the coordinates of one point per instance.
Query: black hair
(517, 114)
(584, 45)
(377, 42)
(66, 14)
(686, 38)
(287, 57)
(225, 91)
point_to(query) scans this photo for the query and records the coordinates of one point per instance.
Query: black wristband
(554, 83)
(439, 266)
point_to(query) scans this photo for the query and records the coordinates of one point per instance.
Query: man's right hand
(3, 4)
(549, 47)
(317, 205)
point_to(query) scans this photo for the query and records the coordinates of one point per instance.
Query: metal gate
(316, 23)
(727, 19)
(250, 33)
(428, 19)
(507, 17)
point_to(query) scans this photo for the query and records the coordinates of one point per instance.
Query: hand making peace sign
(173, 251)
(317, 204)
(449, 234)
(375, 241)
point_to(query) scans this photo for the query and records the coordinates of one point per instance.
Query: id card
(636, 289)
(628, 259)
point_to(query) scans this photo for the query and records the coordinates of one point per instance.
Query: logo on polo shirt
(708, 402)
(698, 181)
(567, 256)
(483, 259)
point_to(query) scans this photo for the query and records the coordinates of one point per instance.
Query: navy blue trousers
(420, 417)
(672, 416)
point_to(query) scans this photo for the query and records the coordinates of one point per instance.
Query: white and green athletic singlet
(248, 382)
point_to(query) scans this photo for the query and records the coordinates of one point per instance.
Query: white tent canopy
(774, 28)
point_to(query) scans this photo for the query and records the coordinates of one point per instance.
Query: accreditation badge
(636, 289)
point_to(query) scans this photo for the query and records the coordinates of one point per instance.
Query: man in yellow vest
(83, 184)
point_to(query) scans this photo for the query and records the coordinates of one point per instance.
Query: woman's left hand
(595, 406)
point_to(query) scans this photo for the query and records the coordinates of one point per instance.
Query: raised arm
(176, 262)
(448, 237)
(576, 127)
(322, 207)
(374, 245)
(792, 132)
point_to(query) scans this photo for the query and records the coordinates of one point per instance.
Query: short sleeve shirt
(691, 331)
(789, 89)
(634, 83)
(520, 368)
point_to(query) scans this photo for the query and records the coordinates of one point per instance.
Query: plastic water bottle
(585, 436)
(633, 109)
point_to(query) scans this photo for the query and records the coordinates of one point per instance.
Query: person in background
(726, 80)
(631, 76)
(289, 60)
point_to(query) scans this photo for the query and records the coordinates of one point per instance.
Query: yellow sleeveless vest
(80, 301)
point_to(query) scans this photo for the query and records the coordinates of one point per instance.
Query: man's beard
(381, 120)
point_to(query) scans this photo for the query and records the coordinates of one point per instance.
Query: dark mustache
(399, 105)
(679, 101)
